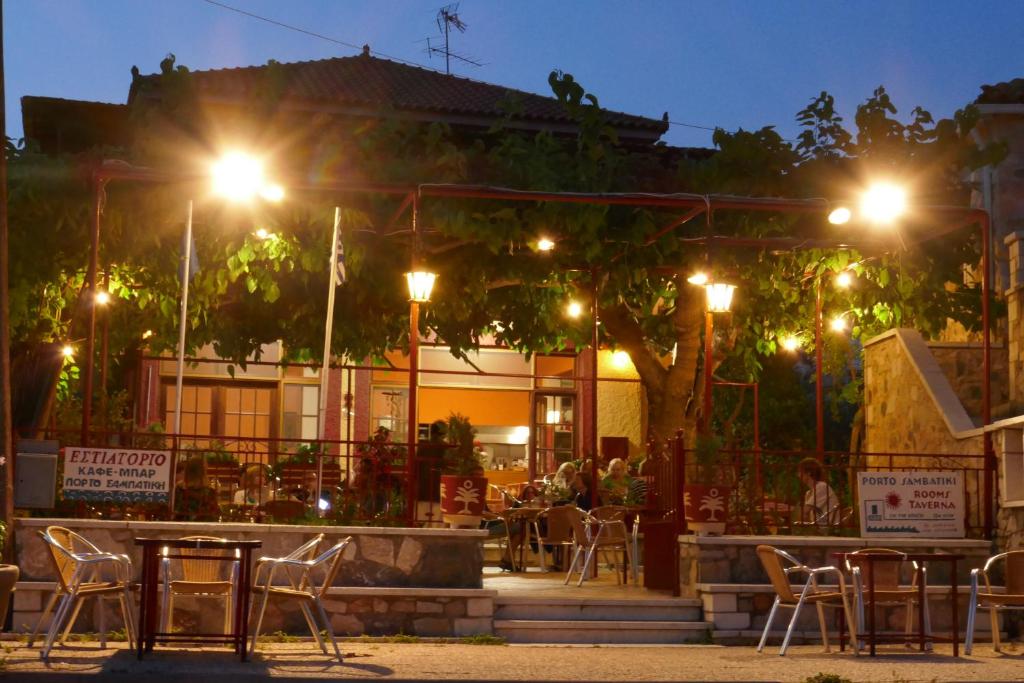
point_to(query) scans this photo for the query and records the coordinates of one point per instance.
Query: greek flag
(339, 265)
(189, 244)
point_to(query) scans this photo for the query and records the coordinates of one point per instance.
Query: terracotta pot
(706, 507)
(8, 577)
(462, 499)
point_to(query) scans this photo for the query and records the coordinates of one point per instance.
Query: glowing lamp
(698, 279)
(421, 283)
(791, 344)
(238, 176)
(883, 203)
(838, 324)
(839, 216)
(263, 233)
(147, 334)
(102, 298)
(621, 360)
(719, 296)
(272, 192)
(843, 280)
(574, 310)
(545, 244)
(68, 350)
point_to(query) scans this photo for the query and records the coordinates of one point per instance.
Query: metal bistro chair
(200, 579)
(553, 527)
(618, 513)
(772, 560)
(79, 567)
(887, 586)
(304, 586)
(1013, 598)
(590, 535)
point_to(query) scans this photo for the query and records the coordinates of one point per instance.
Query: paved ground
(370, 661)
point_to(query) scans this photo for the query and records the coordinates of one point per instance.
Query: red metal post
(986, 394)
(414, 367)
(819, 394)
(594, 341)
(709, 335)
(90, 299)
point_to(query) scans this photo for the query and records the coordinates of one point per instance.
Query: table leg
(242, 625)
(841, 612)
(921, 597)
(871, 603)
(956, 611)
(152, 612)
(140, 636)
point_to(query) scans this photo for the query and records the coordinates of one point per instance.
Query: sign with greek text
(911, 504)
(116, 475)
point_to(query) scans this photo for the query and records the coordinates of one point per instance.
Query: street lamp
(842, 280)
(719, 300)
(883, 203)
(421, 284)
(102, 297)
(545, 244)
(574, 309)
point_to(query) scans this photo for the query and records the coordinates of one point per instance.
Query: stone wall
(962, 363)
(620, 405)
(902, 413)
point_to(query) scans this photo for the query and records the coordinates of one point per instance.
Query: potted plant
(706, 495)
(463, 490)
(8, 577)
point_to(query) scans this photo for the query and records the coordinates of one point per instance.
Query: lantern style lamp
(719, 296)
(421, 283)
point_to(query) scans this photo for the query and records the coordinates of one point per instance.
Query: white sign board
(911, 504)
(117, 475)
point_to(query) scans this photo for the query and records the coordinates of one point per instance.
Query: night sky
(729, 64)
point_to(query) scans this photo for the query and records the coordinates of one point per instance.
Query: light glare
(574, 310)
(844, 280)
(238, 176)
(102, 298)
(263, 233)
(791, 344)
(698, 278)
(839, 216)
(838, 324)
(621, 360)
(272, 192)
(68, 351)
(883, 203)
(545, 244)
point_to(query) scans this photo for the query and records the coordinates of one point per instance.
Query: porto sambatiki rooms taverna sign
(120, 475)
(911, 504)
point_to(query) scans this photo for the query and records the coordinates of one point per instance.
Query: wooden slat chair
(590, 535)
(305, 586)
(887, 586)
(1013, 598)
(201, 579)
(772, 560)
(79, 566)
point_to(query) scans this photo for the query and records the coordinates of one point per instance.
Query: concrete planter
(462, 500)
(706, 507)
(8, 577)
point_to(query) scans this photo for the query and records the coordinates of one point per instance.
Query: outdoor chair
(620, 512)
(887, 586)
(1012, 598)
(591, 535)
(553, 528)
(201, 579)
(308, 582)
(80, 567)
(811, 593)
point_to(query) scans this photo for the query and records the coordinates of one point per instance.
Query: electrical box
(35, 474)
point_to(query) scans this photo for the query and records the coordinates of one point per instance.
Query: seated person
(821, 505)
(563, 478)
(581, 487)
(615, 487)
(305, 492)
(369, 489)
(193, 499)
(252, 489)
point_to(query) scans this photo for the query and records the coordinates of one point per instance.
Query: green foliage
(464, 455)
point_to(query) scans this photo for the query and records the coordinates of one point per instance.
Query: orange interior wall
(481, 406)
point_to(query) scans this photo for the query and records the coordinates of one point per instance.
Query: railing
(767, 495)
(275, 479)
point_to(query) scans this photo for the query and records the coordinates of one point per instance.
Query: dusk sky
(728, 64)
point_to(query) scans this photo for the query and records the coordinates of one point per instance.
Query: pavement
(370, 660)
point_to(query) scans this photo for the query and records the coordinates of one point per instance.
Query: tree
(254, 291)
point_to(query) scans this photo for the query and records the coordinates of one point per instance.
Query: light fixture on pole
(574, 309)
(421, 284)
(719, 296)
(719, 300)
(883, 203)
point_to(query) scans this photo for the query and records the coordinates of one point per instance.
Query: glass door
(554, 432)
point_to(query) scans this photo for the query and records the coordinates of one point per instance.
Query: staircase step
(597, 610)
(602, 632)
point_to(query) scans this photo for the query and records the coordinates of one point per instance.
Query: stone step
(599, 610)
(602, 632)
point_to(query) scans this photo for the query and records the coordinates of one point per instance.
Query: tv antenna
(448, 19)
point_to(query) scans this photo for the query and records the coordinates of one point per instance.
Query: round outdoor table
(921, 559)
(156, 549)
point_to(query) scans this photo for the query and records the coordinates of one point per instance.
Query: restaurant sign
(911, 504)
(117, 475)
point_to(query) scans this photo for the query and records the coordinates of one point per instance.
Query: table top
(901, 556)
(206, 544)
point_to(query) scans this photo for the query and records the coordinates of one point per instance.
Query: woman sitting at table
(193, 499)
(821, 506)
(581, 486)
(252, 490)
(564, 476)
(615, 487)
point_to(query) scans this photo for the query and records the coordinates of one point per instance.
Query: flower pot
(8, 577)
(706, 507)
(462, 500)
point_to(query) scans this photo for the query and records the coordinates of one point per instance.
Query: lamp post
(719, 300)
(420, 283)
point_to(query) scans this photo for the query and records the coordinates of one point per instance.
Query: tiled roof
(373, 83)
(1010, 92)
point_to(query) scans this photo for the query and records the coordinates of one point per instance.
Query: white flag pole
(324, 370)
(181, 336)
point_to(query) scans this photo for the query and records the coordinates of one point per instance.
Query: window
(301, 412)
(488, 360)
(1013, 468)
